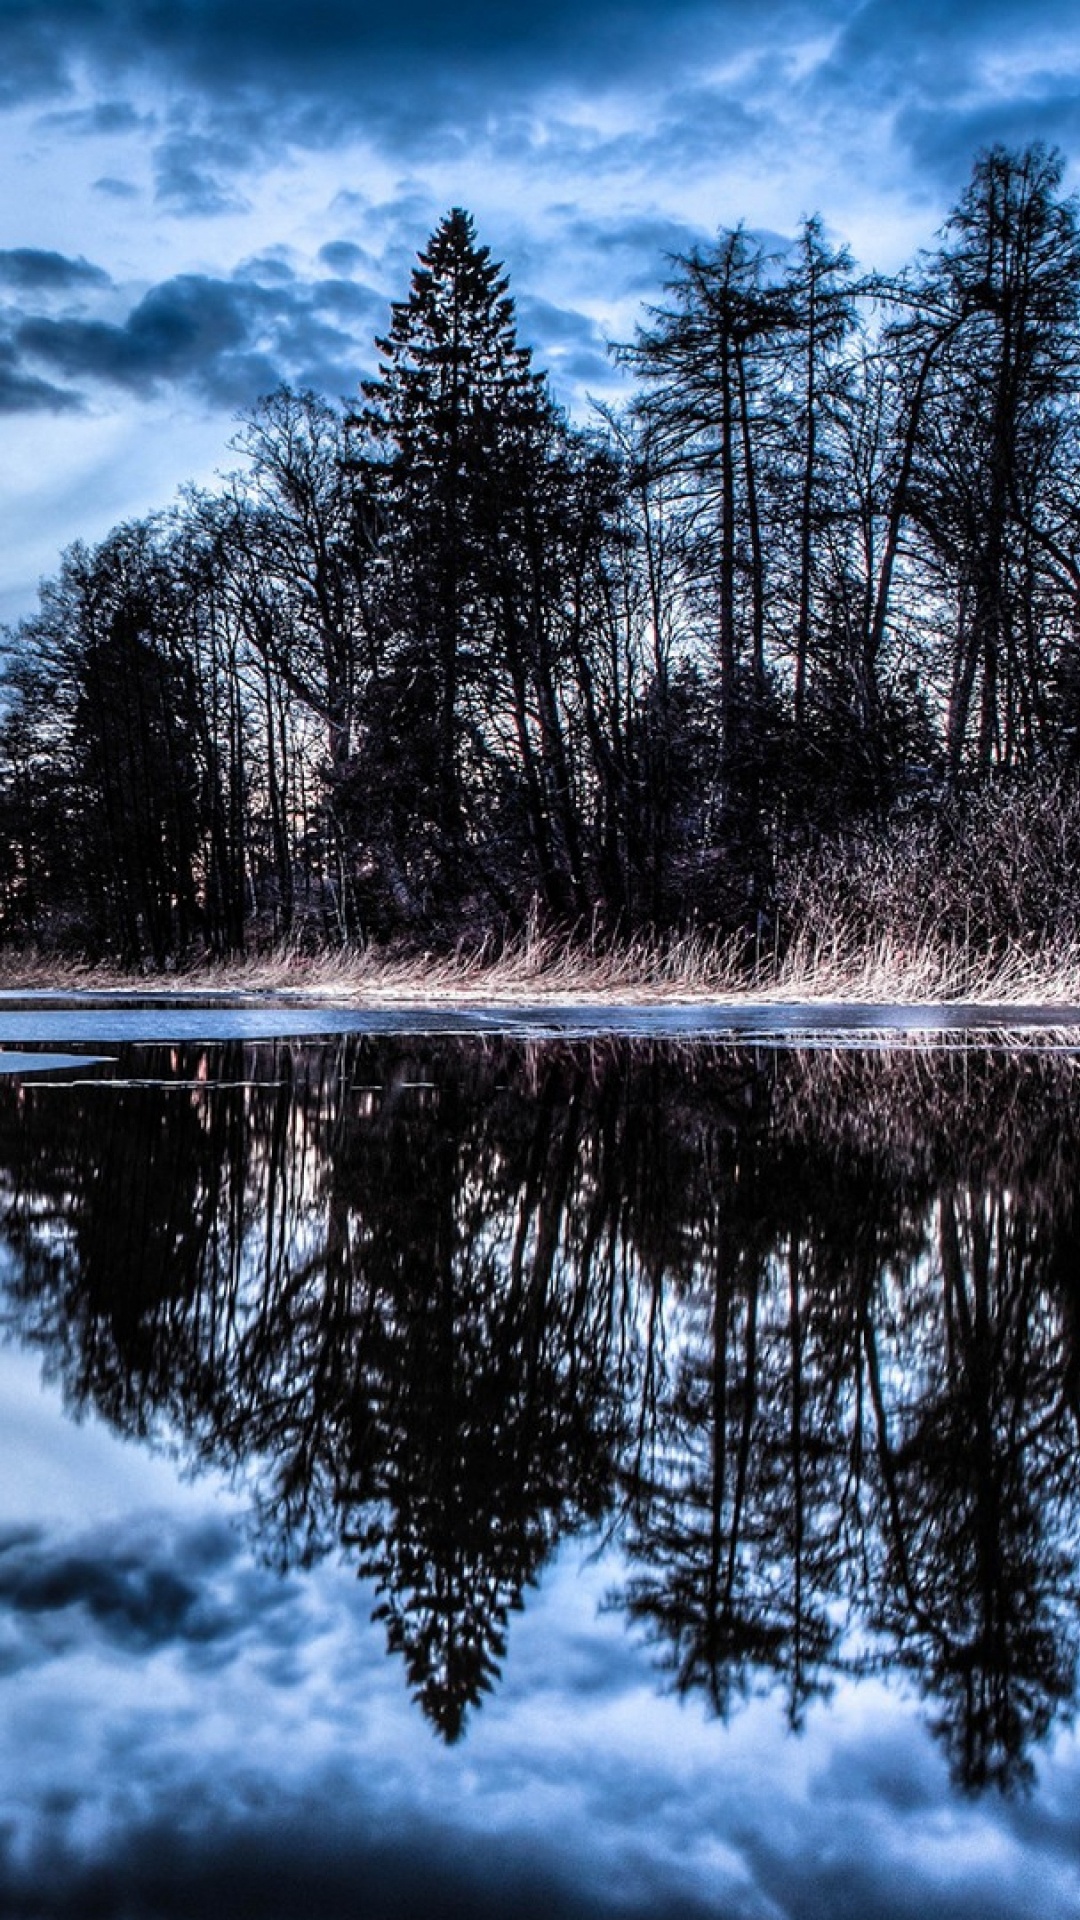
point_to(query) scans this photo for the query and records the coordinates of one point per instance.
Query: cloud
(305, 1859)
(956, 77)
(227, 339)
(224, 340)
(186, 328)
(330, 44)
(192, 1733)
(570, 346)
(343, 256)
(427, 80)
(116, 189)
(135, 1602)
(102, 118)
(184, 184)
(942, 139)
(24, 392)
(34, 269)
(635, 247)
(274, 266)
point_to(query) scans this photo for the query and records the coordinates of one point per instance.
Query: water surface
(485, 1473)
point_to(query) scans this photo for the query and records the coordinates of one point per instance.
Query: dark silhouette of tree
(452, 420)
(1003, 293)
(448, 666)
(123, 703)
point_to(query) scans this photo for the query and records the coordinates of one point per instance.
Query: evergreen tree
(454, 408)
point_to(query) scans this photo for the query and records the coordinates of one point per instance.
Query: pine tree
(455, 403)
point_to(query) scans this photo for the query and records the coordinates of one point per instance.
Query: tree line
(435, 664)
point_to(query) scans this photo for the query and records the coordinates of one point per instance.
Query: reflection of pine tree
(471, 1497)
(488, 1396)
(829, 1365)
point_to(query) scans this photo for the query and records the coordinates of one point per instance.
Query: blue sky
(206, 197)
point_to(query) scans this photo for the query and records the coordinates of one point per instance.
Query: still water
(481, 1475)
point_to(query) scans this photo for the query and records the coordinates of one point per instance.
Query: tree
(106, 654)
(452, 424)
(999, 388)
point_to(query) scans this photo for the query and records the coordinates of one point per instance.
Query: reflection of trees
(873, 1407)
(806, 1324)
(395, 1289)
(978, 1477)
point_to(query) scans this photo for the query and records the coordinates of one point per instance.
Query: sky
(207, 197)
(185, 1731)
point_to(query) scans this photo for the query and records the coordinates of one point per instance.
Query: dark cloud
(632, 253)
(253, 1773)
(224, 340)
(881, 35)
(424, 76)
(34, 269)
(23, 392)
(701, 129)
(943, 140)
(184, 184)
(306, 1860)
(138, 1594)
(567, 344)
(35, 60)
(183, 329)
(249, 41)
(105, 117)
(954, 77)
(343, 256)
(428, 78)
(273, 266)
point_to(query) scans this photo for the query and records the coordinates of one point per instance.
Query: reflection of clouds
(178, 1720)
(169, 1705)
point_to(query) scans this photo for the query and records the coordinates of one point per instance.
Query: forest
(796, 628)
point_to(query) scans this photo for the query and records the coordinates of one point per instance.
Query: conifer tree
(454, 403)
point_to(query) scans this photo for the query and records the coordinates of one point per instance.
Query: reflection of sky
(185, 1732)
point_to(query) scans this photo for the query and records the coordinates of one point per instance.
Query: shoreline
(850, 985)
(42, 1016)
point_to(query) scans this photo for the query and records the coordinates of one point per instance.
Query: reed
(836, 963)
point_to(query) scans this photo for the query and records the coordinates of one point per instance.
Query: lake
(485, 1465)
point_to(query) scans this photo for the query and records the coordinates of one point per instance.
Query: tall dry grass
(977, 900)
(978, 903)
(833, 964)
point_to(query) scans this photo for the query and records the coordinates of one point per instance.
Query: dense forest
(441, 662)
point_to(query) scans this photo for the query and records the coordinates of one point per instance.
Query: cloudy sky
(204, 197)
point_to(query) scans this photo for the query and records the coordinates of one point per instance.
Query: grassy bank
(836, 965)
(974, 901)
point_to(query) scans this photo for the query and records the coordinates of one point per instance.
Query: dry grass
(839, 965)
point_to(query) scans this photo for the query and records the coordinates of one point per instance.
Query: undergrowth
(977, 902)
